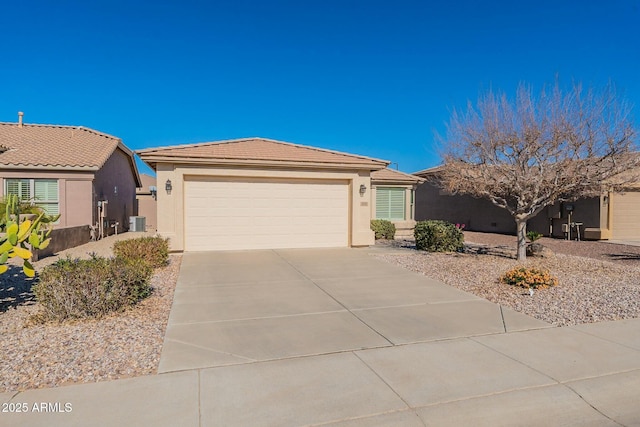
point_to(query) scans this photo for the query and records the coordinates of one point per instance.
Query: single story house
(393, 199)
(613, 215)
(84, 175)
(257, 193)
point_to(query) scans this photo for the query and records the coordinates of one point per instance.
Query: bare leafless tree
(531, 151)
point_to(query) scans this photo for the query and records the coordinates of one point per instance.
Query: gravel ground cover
(597, 281)
(621, 254)
(120, 345)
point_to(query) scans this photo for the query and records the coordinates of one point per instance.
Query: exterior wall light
(363, 189)
(168, 186)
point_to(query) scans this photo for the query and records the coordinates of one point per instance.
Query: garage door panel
(228, 215)
(626, 221)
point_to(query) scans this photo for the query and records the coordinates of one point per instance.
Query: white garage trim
(253, 213)
(626, 221)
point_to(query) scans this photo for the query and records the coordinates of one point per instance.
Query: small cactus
(21, 236)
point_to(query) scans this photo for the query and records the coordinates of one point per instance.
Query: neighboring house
(69, 170)
(610, 216)
(146, 202)
(257, 193)
(393, 199)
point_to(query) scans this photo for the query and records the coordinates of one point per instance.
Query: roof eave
(152, 161)
(397, 181)
(429, 171)
(48, 167)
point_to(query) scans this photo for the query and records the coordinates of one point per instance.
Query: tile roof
(257, 151)
(65, 147)
(390, 175)
(429, 171)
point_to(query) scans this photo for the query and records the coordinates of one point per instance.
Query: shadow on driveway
(15, 289)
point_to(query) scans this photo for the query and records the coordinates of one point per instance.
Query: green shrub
(153, 250)
(438, 236)
(383, 229)
(529, 278)
(75, 288)
(533, 236)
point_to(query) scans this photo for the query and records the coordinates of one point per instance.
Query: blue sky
(376, 78)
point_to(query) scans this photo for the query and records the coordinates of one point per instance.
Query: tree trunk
(521, 225)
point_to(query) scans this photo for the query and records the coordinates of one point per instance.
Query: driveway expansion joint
(199, 399)
(504, 324)
(212, 350)
(591, 405)
(245, 319)
(516, 360)
(480, 396)
(333, 298)
(363, 417)
(383, 380)
(602, 337)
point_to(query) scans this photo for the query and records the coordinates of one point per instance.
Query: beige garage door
(259, 214)
(626, 218)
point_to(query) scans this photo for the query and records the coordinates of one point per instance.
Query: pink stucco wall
(146, 204)
(116, 183)
(78, 202)
(74, 193)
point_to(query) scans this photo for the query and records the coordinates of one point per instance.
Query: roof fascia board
(233, 162)
(376, 181)
(48, 168)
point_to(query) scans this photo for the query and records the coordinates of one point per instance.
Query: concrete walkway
(337, 337)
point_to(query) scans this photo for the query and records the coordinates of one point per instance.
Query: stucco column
(361, 233)
(167, 204)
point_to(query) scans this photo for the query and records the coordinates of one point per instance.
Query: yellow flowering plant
(529, 277)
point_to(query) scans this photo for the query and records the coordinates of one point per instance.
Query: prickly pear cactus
(21, 236)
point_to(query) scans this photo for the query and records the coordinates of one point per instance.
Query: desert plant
(533, 236)
(22, 235)
(383, 229)
(75, 288)
(153, 250)
(529, 277)
(529, 151)
(438, 236)
(13, 202)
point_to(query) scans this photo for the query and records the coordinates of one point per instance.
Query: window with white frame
(41, 192)
(390, 203)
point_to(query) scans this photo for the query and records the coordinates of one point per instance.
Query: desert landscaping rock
(602, 283)
(121, 345)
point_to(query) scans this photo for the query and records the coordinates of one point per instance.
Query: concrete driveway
(240, 307)
(337, 337)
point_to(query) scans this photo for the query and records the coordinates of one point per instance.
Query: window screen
(390, 203)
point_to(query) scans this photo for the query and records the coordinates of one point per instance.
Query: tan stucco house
(258, 193)
(80, 173)
(613, 215)
(393, 199)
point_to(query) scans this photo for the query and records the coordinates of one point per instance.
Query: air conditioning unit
(137, 223)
